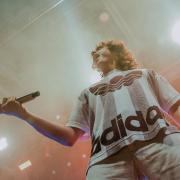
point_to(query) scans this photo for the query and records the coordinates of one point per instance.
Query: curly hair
(123, 58)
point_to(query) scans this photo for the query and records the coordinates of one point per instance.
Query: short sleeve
(79, 116)
(167, 95)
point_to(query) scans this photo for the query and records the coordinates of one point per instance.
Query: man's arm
(60, 133)
(65, 135)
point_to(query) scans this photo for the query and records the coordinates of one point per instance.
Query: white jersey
(125, 106)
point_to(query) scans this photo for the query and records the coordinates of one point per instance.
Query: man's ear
(114, 60)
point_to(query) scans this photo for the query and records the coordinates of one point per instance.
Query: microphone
(26, 98)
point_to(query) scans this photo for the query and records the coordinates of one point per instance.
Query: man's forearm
(59, 133)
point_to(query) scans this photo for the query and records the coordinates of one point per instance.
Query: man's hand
(12, 107)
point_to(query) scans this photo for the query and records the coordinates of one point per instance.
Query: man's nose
(99, 59)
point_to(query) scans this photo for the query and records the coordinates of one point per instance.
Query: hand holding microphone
(25, 98)
(13, 106)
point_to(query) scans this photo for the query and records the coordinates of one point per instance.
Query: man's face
(103, 60)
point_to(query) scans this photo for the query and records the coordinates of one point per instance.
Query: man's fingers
(9, 104)
(12, 107)
(4, 100)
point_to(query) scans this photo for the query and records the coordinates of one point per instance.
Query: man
(124, 115)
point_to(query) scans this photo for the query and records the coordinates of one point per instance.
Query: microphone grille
(35, 94)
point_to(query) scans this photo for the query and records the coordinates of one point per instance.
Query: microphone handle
(28, 97)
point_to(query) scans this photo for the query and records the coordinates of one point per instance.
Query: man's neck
(107, 72)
